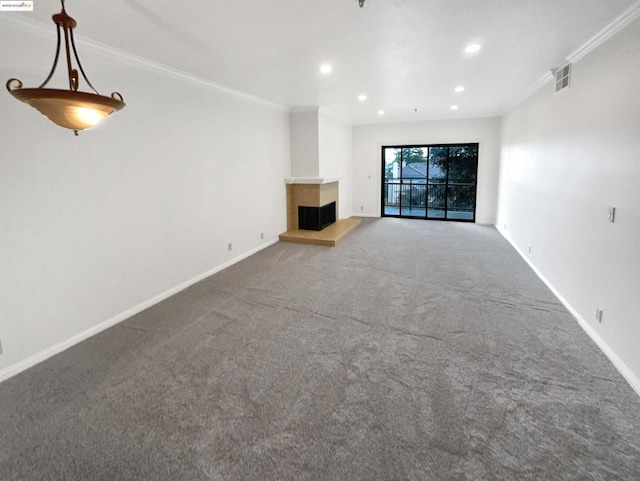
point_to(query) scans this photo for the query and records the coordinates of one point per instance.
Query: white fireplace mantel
(312, 180)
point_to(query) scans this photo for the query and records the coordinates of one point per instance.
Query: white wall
(367, 157)
(565, 159)
(305, 147)
(95, 225)
(335, 154)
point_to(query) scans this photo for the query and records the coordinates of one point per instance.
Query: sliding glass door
(405, 182)
(430, 181)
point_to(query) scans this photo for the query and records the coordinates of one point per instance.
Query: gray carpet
(412, 351)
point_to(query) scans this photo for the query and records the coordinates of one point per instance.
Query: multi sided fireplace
(312, 205)
(316, 218)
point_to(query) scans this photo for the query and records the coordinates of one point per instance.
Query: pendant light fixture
(71, 108)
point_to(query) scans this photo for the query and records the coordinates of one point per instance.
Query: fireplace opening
(316, 218)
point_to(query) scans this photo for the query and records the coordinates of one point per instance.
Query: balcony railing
(420, 194)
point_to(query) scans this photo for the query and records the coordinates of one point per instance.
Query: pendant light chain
(55, 60)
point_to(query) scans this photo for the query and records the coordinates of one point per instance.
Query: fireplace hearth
(316, 218)
(312, 205)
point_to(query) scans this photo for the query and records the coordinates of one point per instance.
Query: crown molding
(334, 116)
(32, 26)
(542, 81)
(628, 16)
(38, 28)
(618, 24)
(431, 118)
(320, 110)
(306, 108)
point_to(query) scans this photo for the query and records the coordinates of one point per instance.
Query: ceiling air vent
(563, 77)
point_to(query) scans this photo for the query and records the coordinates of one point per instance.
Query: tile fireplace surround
(314, 192)
(309, 195)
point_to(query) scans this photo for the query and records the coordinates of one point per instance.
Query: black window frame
(446, 196)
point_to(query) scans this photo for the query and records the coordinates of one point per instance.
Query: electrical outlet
(362, 207)
(612, 214)
(598, 314)
(505, 227)
(229, 246)
(529, 248)
(261, 235)
(1, 347)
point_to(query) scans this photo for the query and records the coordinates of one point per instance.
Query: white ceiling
(403, 54)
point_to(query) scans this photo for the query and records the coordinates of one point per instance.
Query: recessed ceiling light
(473, 48)
(362, 97)
(380, 112)
(326, 68)
(459, 89)
(454, 107)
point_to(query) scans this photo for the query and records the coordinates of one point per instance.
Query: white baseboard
(360, 214)
(31, 361)
(618, 363)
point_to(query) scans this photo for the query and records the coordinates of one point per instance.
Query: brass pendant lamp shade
(70, 109)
